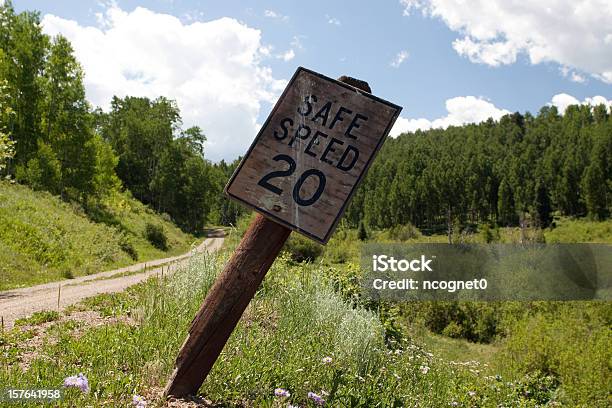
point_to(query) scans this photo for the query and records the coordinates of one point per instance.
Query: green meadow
(426, 354)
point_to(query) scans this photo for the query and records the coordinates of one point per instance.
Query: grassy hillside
(44, 239)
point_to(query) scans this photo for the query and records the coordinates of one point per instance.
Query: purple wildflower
(139, 401)
(281, 392)
(77, 381)
(317, 399)
(326, 360)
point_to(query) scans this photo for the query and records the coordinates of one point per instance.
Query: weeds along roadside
(294, 322)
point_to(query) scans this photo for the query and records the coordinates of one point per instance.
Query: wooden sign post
(299, 174)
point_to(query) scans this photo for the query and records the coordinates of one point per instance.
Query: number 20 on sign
(311, 153)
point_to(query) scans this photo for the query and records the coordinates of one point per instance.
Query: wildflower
(77, 381)
(424, 369)
(317, 399)
(454, 404)
(326, 360)
(280, 392)
(472, 393)
(139, 401)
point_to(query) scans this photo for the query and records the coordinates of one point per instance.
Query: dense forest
(522, 168)
(52, 139)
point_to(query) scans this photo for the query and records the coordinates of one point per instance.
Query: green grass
(294, 321)
(37, 318)
(302, 313)
(580, 230)
(44, 239)
(560, 346)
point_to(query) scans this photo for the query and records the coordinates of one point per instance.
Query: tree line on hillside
(502, 173)
(522, 167)
(52, 139)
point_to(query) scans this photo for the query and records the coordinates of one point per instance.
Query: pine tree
(506, 212)
(543, 208)
(595, 191)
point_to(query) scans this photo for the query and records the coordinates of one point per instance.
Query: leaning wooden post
(284, 208)
(224, 304)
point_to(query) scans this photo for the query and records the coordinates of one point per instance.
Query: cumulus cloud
(213, 69)
(575, 34)
(461, 110)
(399, 58)
(563, 100)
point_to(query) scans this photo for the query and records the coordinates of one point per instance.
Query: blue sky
(450, 52)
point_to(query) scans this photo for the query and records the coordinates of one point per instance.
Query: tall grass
(295, 320)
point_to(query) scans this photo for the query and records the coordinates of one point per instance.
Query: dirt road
(22, 302)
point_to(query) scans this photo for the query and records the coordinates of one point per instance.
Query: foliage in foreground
(295, 321)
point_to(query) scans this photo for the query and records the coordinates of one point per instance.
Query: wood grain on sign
(311, 153)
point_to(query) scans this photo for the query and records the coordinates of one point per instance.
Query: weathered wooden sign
(311, 153)
(300, 173)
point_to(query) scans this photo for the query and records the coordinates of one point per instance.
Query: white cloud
(287, 55)
(572, 75)
(332, 20)
(189, 16)
(461, 110)
(575, 34)
(469, 109)
(273, 14)
(266, 50)
(563, 100)
(213, 69)
(399, 58)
